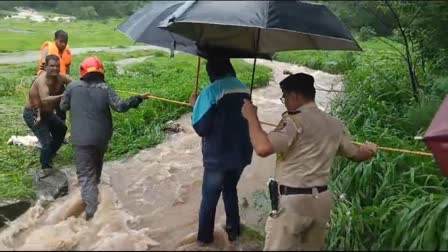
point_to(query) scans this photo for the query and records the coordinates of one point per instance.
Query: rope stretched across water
(418, 153)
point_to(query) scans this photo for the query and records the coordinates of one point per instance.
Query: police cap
(300, 83)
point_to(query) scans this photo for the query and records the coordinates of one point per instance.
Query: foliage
(87, 12)
(337, 62)
(394, 201)
(358, 14)
(418, 25)
(366, 33)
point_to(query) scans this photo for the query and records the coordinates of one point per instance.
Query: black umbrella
(260, 27)
(142, 26)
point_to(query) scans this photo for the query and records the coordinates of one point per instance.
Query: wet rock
(172, 127)
(245, 203)
(11, 209)
(51, 184)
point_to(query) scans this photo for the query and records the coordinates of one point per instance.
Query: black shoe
(233, 233)
(232, 237)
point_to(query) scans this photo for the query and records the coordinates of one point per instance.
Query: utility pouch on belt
(274, 196)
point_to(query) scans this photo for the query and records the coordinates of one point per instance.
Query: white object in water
(25, 141)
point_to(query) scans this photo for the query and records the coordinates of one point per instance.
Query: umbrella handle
(252, 81)
(255, 63)
(196, 88)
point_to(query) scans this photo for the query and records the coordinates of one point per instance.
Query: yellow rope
(419, 153)
(156, 98)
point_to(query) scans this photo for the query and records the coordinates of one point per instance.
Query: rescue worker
(59, 46)
(226, 146)
(43, 98)
(89, 101)
(306, 142)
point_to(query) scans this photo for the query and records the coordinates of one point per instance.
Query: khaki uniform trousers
(301, 224)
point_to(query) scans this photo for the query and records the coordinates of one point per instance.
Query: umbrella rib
(312, 42)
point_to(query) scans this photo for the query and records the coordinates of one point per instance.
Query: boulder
(11, 209)
(50, 184)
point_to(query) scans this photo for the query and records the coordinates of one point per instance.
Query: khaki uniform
(306, 143)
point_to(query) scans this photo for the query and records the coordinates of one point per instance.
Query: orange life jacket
(65, 58)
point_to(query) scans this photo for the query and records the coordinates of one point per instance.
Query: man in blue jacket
(226, 146)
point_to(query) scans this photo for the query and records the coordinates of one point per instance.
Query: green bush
(395, 200)
(87, 12)
(366, 33)
(418, 117)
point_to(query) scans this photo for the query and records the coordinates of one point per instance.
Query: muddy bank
(151, 200)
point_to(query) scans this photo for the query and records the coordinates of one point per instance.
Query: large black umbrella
(142, 26)
(260, 27)
(238, 29)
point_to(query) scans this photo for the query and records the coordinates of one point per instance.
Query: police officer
(306, 142)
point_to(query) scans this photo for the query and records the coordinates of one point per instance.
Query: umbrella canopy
(260, 26)
(142, 27)
(436, 137)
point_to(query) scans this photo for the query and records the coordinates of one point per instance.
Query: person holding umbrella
(306, 142)
(226, 146)
(89, 101)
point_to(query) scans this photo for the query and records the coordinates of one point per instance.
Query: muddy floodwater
(151, 200)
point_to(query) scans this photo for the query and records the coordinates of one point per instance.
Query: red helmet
(89, 65)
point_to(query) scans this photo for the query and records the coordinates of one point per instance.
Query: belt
(286, 190)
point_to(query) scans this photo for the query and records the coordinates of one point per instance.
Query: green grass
(336, 62)
(173, 78)
(251, 239)
(81, 33)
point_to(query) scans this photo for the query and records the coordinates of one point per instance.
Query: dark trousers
(214, 182)
(50, 132)
(61, 114)
(89, 165)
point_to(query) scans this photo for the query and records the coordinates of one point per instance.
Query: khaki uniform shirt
(306, 143)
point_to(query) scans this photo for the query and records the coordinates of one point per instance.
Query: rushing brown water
(151, 200)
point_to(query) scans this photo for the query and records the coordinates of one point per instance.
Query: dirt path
(31, 56)
(151, 201)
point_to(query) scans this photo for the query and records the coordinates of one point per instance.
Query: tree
(87, 12)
